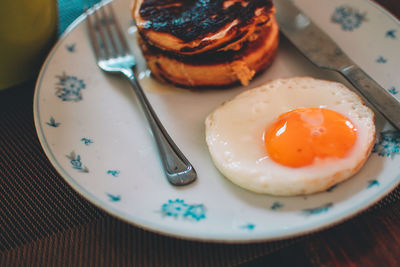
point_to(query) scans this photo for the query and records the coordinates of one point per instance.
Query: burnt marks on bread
(212, 57)
(190, 20)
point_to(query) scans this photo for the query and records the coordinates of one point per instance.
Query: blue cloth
(69, 10)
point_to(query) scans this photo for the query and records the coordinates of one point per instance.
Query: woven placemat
(34, 201)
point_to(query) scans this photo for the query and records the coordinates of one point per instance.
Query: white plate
(95, 135)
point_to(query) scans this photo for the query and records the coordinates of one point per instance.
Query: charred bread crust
(195, 26)
(218, 69)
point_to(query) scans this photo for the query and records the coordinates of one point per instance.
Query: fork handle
(178, 169)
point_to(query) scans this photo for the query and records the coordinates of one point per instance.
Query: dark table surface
(43, 222)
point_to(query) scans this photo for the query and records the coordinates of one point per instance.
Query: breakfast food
(206, 43)
(291, 136)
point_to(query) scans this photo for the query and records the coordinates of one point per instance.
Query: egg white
(234, 135)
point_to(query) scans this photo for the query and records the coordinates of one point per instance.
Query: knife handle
(377, 96)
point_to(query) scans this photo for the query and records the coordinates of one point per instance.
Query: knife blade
(321, 50)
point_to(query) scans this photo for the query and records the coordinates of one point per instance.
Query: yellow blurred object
(28, 29)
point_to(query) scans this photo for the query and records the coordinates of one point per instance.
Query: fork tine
(102, 33)
(110, 34)
(122, 39)
(92, 35)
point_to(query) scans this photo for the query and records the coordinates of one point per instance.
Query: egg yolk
(300, 136)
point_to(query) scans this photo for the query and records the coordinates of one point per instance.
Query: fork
(113, 55)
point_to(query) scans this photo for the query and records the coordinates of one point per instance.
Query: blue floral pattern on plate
(114, 198)
(381, 59)
(114, 173)
(87, 141)
(391, 34)
(249, 226)
(318, 210)
(52, 122)
(69, 88)
(393, 91)
(178, 207)
(388, 144)
(348, 17)
(373, 183)
(276, 205)
(76, 163)
(70, 48)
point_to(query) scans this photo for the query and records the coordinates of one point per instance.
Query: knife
(321, 50)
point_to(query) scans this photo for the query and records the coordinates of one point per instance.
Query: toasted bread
(215, 69)
(194, 27)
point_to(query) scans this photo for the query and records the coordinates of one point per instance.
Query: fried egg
(291, 136)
